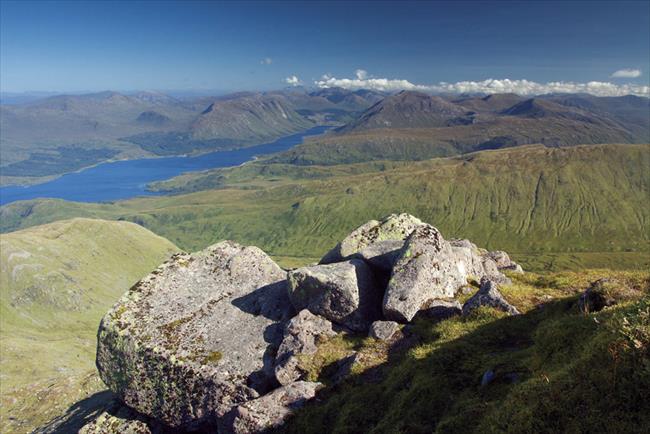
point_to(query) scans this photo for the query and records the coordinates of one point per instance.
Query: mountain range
(59, 134)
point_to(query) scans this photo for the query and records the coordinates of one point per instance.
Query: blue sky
(88, 46)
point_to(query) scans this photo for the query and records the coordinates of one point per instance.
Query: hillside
(552, 208)
(57, 280)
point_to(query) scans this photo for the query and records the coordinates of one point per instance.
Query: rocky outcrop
(212, 339)
(197, 336)
(345, 292)
(394, 227)
(383, 330)
(503, 261)
(488, 295)
(301, 337)
(269, 411)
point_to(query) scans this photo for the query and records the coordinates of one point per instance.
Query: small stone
(488, 295)
(271, 410)
(383, 330)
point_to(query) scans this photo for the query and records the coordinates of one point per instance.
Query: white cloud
(293, 81)
(521, 87)
(266, 61)
(627, 73)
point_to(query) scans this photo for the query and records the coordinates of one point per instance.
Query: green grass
(57, 282)
(552, 208)
(575, 372)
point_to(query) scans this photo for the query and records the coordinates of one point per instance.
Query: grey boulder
(197, 336)
(381, 255)
(503, 261)
(271, 410)
(301, 337)
(119, 419)
(345, 293)
(393, 227)
(488, 295)
(383, 330)
(427, 269)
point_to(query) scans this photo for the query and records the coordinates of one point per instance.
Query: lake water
(126, 179)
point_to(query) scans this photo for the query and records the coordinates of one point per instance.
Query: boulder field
(213, 341)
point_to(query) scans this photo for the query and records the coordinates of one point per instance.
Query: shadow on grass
(543, 367)
(79, 414)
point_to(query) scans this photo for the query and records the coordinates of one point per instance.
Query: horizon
(220, 48)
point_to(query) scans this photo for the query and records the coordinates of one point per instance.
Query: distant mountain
(491, 103)
(154, 118)
(248, 118)
(408, 110)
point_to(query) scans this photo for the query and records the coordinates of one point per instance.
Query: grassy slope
(585, 202)
(57, 281)
(575, 372)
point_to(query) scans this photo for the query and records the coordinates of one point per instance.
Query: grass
(551, 208)
(57, 281)
(555, 369)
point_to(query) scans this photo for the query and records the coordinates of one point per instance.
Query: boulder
(475, 262)
(393, 227)
(345, 293)
(492, 272)
(427, 269)
(383, 330)
(197, 336)
(381, 255)
(301, 337)
(270, 411)
(503, 261)
(440, 309)
(488, 295)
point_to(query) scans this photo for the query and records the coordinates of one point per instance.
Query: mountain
(57, 280)
(407, 110)
(550, 207)
(415, 126)
(248, 119)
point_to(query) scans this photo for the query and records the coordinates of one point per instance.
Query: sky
(527, 47)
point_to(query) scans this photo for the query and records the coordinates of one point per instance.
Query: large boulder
(381, 255)
(427, 269)
(394, 227)
(197, 336)
(477, 263)
(345, 293)
(270, 411)
(301, 337)
(488, 295)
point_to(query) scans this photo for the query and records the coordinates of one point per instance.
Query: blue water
(126, 179)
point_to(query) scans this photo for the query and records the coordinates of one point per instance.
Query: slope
(57, 280)
(586, 203)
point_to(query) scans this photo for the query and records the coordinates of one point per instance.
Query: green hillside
(57, 281)
(551, 207)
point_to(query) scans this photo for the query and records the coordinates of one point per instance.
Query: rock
(345, 293)
(381, 255)
(488, 295)
(599, 295)
(301, 336)
(119, 419)
(440, 309)
(475, 263)
(427, 269)
(393, 227)
(492, 272)
(503, 261)
(270, 411)
(197, 336)
(345, 367)
(383, 330)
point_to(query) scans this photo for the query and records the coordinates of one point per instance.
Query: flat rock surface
(197, 336)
